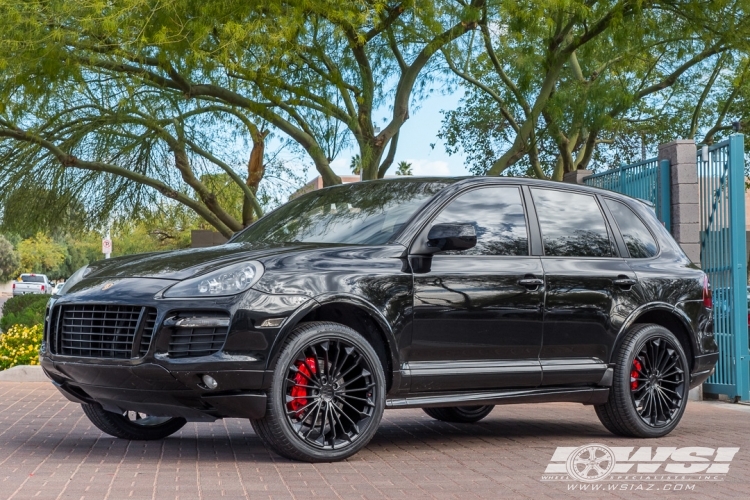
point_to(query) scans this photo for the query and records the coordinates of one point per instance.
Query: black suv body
(452, 295)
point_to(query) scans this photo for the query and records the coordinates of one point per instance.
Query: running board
(585, 395)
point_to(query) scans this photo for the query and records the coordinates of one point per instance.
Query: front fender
(330, 298)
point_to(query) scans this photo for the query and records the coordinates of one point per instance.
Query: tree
(548, 82)
(9, 261)
(151, 74)
(404, 168)
(141, 146)
(40, 254)
(356, 165)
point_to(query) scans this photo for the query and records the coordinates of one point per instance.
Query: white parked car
(57, 288)
(32, 283)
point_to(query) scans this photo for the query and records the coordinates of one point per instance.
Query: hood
(182, 264)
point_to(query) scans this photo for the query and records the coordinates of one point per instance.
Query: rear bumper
(703, 368)
(152, 389)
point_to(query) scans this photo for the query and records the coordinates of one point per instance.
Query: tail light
(42, 287)
(14, 286)
(707, 298)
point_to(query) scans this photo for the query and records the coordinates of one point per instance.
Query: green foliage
(20, 346)
(9, 260)
(356, 165)
(554, 86)
(25, 310)
(40, 254)
(403, 168)
(121, 104)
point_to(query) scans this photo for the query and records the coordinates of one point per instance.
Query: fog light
(272, 323)
(210, 382)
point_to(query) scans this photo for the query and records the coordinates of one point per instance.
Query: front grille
(192, 342)
(102, 331)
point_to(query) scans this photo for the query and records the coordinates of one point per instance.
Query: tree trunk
(255, 171)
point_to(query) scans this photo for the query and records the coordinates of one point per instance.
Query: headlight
(230, 280)
(74, 279)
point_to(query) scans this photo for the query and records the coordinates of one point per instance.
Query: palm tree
(404, 168)
(356, 165)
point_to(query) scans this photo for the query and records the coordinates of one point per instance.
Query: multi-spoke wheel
(650, 386)
(132, 425)
(327, 394)
(460, 414)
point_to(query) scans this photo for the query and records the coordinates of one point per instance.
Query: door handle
(624, 282)
(531, 283)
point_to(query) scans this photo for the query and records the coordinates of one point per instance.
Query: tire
(125, 426)
(652, 403)
(323, 409)
(460, 414)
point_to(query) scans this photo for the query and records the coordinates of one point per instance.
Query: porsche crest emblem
(107, 286)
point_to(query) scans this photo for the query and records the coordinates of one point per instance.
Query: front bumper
(153, 389)
(160, 384)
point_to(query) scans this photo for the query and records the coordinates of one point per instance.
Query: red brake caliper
(301, 379)
(634, 374)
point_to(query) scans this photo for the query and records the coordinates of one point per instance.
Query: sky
(419, 131)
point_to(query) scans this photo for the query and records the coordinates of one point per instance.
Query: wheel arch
(667, 316)
(355, 313)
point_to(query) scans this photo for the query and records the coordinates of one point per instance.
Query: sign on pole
(106, 247)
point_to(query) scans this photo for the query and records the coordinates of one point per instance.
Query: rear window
(32, 279)
(639, 240)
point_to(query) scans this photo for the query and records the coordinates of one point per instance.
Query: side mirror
(453, 236)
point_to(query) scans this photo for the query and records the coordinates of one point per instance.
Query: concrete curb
(23, 374)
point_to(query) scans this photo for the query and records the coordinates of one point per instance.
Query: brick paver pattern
(49, 450)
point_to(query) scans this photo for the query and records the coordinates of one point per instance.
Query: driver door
(478, 312)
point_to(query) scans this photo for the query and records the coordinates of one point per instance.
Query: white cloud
(424, 167)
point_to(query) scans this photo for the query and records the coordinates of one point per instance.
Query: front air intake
(197, 335)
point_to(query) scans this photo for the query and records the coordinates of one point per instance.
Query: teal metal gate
(647, 180)
(721, 179)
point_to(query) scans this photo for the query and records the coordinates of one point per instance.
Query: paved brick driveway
(48, 450)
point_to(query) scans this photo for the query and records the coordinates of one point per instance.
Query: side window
(498, 218)
(572, 224)
(638, 238)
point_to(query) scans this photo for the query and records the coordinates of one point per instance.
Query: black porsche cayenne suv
(451, 295)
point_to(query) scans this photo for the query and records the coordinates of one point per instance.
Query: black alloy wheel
(329, 392)
(650, 387)
(327, 395)
(460, 414)
(657, 379)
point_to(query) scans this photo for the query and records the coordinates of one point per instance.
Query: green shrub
(20, 346)
(25, 310)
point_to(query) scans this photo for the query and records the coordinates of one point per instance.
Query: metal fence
(647, 180)
(721, 181)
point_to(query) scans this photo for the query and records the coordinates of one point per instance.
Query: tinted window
(498, 218)
(361, 213)
(32, 279)
(572, 224)
(638, 238)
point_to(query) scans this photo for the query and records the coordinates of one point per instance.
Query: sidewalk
(49, 450)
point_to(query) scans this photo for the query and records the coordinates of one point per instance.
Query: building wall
(317, 183)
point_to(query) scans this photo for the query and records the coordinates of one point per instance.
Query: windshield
(360, 213)
(32, 279)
